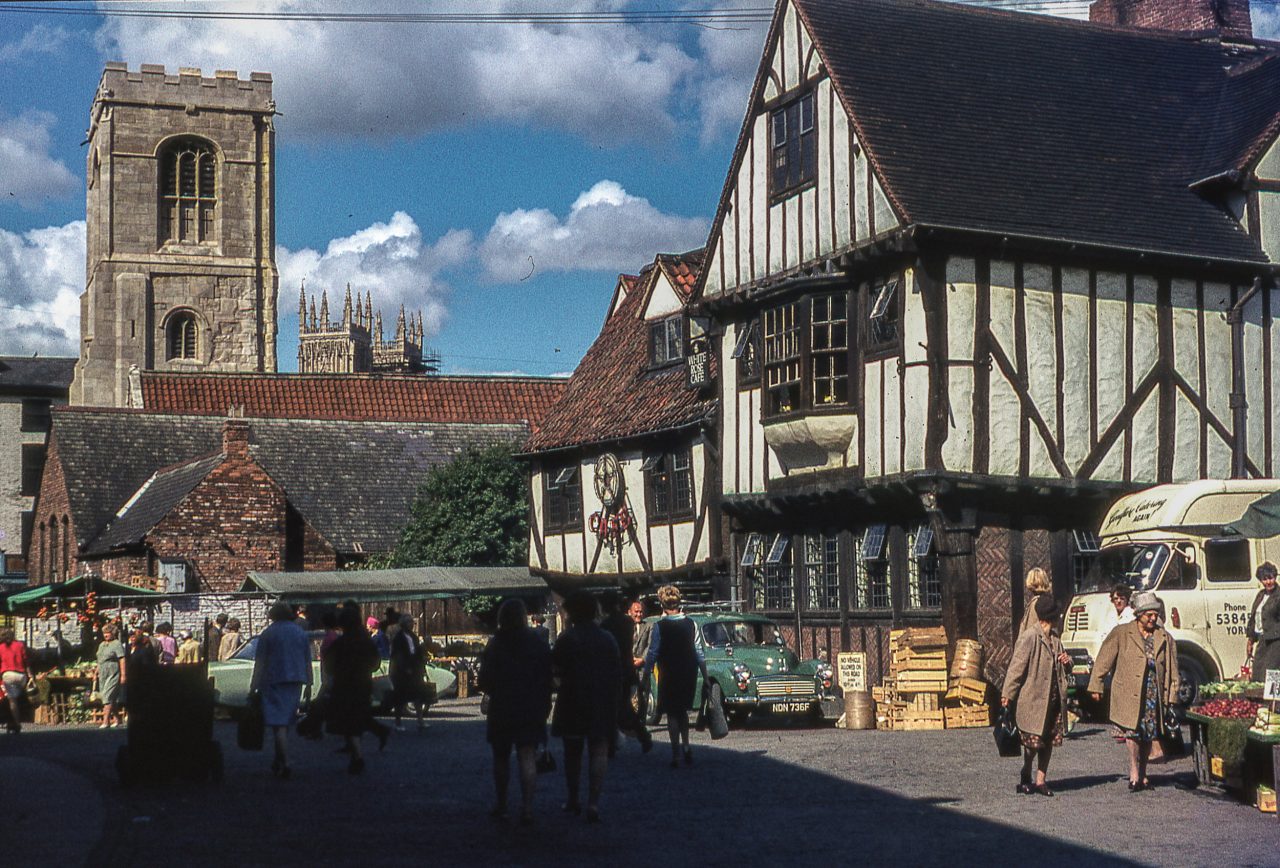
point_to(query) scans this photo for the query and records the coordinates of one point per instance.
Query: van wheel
(1191, 674)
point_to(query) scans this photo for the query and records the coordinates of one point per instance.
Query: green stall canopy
(1260, 520)
(30, 600)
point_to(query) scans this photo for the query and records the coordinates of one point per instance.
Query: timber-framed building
(973, 273)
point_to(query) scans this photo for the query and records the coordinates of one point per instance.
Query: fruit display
(1228, 688)
(1266, 722)
(1238, 709)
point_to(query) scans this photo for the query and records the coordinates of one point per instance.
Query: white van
(1172, 539)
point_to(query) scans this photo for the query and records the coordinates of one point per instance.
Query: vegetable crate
(967, 716)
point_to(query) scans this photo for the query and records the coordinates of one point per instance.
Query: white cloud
(40, 39)
(41, 278)
(388, 260)
(28, 174)
(606, 229)
(606, 83)
(723, 83)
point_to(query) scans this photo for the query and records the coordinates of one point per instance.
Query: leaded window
(871, 578)
(563, 504)
(669, 480)
(747, 353)
(794, 151)
(924, 584)
(666, 340)
(782, 358)
(822, 570)
(188, 192)
(829, 348)
(884, 318)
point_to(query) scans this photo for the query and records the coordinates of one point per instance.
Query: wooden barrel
(967, 662)
(859, 710)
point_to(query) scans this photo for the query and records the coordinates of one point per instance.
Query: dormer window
(666, 340)
(794, 151)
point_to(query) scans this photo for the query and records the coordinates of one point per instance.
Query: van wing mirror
(1188, 552)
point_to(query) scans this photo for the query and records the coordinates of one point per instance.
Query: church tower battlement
(356, 345)
(180, 213)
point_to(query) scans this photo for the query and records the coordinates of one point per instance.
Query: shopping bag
(717, 723)
(1171, 741)
(250, 728)
(1006, 734)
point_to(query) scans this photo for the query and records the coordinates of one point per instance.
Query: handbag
(1006, 734)
(250, 729)
(311, 724)
(717, 723)
(546, 762)
(1171, 741)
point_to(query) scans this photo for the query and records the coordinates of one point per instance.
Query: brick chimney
(235, 438)
(1230, 18)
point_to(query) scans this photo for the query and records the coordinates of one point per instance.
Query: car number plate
(789, 707)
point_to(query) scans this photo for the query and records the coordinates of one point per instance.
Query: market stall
(1235, 740)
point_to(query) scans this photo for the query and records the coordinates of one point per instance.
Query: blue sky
(496, 177)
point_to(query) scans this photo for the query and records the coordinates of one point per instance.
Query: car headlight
(826, 674)
(741, 674)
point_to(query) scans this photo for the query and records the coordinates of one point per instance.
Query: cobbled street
(761, 796)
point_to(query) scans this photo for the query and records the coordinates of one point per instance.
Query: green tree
(471, 512)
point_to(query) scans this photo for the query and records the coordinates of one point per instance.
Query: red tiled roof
(355, 397)
(613, 394)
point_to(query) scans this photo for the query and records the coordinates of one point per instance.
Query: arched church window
(181, 336)
(188, 192)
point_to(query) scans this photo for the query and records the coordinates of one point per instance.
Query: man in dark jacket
(617, 624)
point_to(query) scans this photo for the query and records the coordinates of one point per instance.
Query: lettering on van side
(1138, 512)
(1233, 617)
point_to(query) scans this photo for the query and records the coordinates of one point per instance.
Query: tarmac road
(761, 796)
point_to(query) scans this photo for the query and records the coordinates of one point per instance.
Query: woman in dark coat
(407, 672)
(674, 649)
(349, 664)
(515, 673)
(1263, 629)
(586, 659)
(1037, 682)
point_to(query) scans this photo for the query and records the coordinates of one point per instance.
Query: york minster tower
(181, 272)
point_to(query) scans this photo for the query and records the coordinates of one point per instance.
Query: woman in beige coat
(1037, 682)
(1142, 660)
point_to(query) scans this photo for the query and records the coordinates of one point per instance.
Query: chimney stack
(235, 435)
(1229, 18)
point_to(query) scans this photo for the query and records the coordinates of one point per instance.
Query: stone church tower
(180, 210)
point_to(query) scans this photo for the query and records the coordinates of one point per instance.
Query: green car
(751, 670)
(231, 677)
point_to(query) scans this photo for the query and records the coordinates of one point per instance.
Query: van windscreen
(1138, 566)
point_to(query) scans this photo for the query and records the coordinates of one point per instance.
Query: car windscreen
(721, 633)
(247, 651)
(1137, 565)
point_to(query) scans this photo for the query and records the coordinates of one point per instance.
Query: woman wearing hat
(1264, 624)
(1037, 681)
(1142, 660)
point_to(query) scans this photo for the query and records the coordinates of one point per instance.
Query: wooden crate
(967, 716)
(922, 701)
(922, 682)
(969, 690)
(919, 637)
(913, 720)
(886, 692)
(916, 660)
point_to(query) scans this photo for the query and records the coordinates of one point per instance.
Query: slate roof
(164, 490)
(355, 397)
(613, 394)
(1041, 127)
(27, 374)
(352, 481)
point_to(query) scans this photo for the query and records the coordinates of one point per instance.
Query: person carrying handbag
(1037, 682)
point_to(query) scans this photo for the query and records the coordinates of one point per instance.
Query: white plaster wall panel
(1255, 399)
(1146, 434)
(892, 409)
(957, 450)
(699, 457)
(722, 256)
(1146, 329)
(824, 233)
(760, 199)
(872, 411)
(683, 533)
(745, 480)
(1042, 362)
(861, 193)
(811, 63)
(729, 433)
(915, 412)
(573, 554)
(1075, 374)
(663, 301)
(840, 138)
(770, 90)
(1003, 410)
(885, 219)
(1111, 317)
(794, 214)
(1186, 446)
(1217, 349)
(1186, 330)
(1269, 223)
(788, 62)
(1275, 383)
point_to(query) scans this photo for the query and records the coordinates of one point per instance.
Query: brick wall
(1232, 17)
(53, 504)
